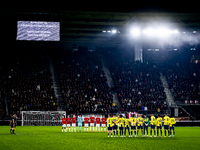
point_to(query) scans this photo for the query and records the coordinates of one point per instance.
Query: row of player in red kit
(86, 120)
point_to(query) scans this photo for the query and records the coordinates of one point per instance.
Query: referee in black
(13, 124)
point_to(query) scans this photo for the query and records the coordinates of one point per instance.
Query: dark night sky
(115, 6)
(136, 8)
(141, 6)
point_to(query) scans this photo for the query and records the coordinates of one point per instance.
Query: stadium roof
(87, 26)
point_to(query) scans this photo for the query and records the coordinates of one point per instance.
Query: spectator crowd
(83, 83)
(29, 84)
(138, 85)
(183, 79)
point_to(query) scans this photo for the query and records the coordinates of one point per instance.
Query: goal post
(42, 118)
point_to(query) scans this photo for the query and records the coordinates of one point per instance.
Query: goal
(42, 118)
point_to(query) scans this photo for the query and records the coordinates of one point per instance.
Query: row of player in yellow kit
(167, 121)
(133, 120)
(112, 124)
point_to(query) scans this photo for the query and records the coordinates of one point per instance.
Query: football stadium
(125, 77)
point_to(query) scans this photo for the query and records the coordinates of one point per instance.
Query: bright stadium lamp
(158, 32)
(135, 32)
(175, 32)
(144, 31)
(162, 32)
(148, 32)
(171, 31)
(114, 31)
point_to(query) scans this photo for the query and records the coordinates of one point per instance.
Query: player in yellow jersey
(159, 125)
(172, 123)
(166, 124)
(118, 116)
(109, 125)
(153, 123)
(121, 125)
(115, 122)
(127, 122)
(133, 125)
(140, 122)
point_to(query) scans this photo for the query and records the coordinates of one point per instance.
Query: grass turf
(35, 137)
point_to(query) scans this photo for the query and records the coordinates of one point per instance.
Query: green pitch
(187, 138)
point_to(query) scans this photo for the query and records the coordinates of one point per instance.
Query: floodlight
(108, 31)
(144, 31)
(171, 31)
(135, 32)
(175, 32)
(103, 31)
(148, 31)
(114, 31)
(159, 32)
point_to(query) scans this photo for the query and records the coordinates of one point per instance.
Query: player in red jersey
(98, 123)
(92, 122)
(68, 122)
(103, 123)
(86, 119)
(64, 122)
(74, 123)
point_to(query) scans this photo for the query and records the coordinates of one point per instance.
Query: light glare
(148, 32)
(135, 32)
(114, 31)
(175, 32)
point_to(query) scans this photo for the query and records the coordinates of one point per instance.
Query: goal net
(42, 118)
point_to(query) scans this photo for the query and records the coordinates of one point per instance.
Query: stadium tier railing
(191, 101)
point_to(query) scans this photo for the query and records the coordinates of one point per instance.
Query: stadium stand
(138, 85)
(83, 82)
(183, 80)
(29, 84)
